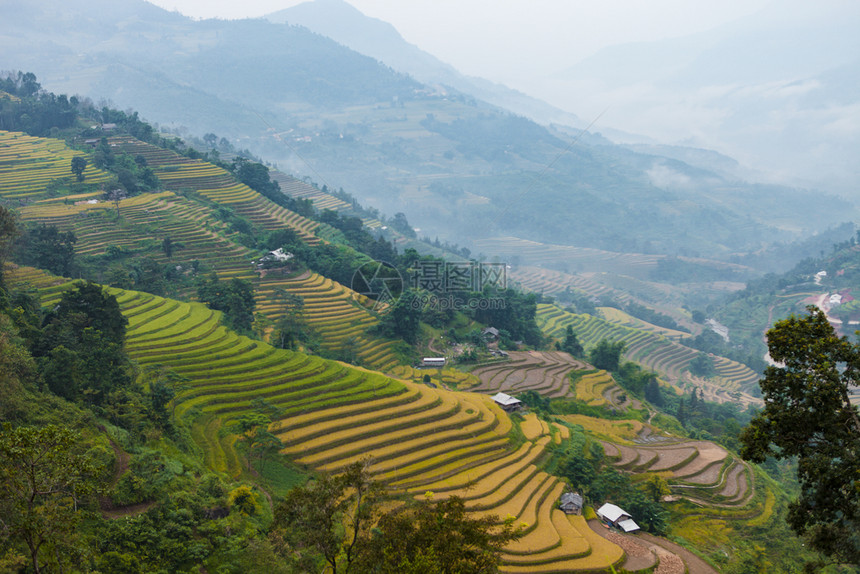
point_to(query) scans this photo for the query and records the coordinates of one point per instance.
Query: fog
(772, 84)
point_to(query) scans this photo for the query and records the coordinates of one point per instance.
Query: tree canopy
(42, 480)
(808, 415)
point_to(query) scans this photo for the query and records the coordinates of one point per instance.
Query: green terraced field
(28, 165)
(653, 351)
(216, 184)
(418, 438)
(139, 224)
(335, 312)
(145, 220)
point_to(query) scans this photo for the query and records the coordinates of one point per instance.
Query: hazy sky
(512, 40)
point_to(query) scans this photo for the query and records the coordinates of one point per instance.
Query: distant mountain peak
(345, 24)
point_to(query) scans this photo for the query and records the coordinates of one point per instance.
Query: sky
(512, 41)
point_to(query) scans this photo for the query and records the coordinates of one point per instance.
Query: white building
(617, 517)
(507, 402)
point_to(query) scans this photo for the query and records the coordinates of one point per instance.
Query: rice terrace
(420, 437)
(345, 310)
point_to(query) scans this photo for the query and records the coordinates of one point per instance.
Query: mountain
(380, 40)
(776, 89)
(456, 165)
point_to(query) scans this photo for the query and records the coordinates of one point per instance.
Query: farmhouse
(571, 503)
(615, 516)
(490, 333)
(507, 402)
(276, 258)
(835, 300)
(433, 362)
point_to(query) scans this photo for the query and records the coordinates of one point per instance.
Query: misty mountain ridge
(340, 21)
(777, 90)
(457, 166)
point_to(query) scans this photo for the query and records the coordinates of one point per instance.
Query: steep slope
(457, 166)
(139, 225)
(418, 438)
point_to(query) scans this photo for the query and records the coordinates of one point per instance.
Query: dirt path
(638, 555)
(431, 346)
(106, 505)
(695, 565)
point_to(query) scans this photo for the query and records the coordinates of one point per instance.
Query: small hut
(571, 503)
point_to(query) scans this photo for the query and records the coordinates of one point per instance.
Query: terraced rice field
(419, 438)
(334, 312)
(619, 317)
(545, 372)
(624, 289)
(598, 389)
(699, 471)
(28, 165)
(145, 220)
(552, 282)
(655, 352)
(300, 190)
(637, 265)
(450, 378)
(180, 173)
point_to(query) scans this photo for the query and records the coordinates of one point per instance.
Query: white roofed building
(507, 402)
(617, 517)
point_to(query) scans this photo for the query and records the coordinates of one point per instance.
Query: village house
(617, 517)
(571, 503)
(507, 402)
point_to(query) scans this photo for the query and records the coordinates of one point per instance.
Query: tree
(328, 519)
(164, 385)
(48, 248)
(290, 326)
(807, 414)
(80, 347)
(702, 365)
(8, 233)
(404, 318)
(43, 479)
(571, 344)
(167, 246)
(235, 298)
(579, 471)
(401, 224)
(653, 393)
(436, 538)
(100, 309)
(79, 164)
(116, 196)
(607, 355)
(656, 488)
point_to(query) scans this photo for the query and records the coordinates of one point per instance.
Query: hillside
(455, 165)
(200, 229)
(332, 413)
(341, 22)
